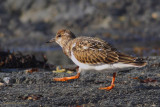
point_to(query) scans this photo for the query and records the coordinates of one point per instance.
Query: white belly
(100, 66)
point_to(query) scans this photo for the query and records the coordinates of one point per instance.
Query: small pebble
(6, 80)
(1, 84)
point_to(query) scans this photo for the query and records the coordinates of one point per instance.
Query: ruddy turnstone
(91, 53)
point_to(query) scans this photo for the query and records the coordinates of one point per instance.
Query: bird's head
(62, 37)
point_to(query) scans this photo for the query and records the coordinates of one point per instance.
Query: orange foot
(67, 78)
(112, 84)
(107, 88)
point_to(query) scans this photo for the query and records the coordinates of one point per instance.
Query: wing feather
(94, 51)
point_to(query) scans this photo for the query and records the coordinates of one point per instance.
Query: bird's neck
(67, 47)
(65, 42)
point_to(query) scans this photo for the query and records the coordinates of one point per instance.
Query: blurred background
(132, 26)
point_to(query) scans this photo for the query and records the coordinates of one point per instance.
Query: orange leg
(67, 78)
(112, 84)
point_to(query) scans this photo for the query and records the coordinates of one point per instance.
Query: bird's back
(91, 50)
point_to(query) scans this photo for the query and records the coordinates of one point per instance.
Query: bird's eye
(59, 36)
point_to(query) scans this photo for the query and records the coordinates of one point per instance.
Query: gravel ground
(38, 89)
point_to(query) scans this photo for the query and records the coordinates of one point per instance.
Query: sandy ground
(38, 89)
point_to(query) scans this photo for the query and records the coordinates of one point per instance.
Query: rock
(7, 80)
(2, 84)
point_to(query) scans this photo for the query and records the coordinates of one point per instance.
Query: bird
(92, 53)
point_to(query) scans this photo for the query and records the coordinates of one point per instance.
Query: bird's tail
(138, 62)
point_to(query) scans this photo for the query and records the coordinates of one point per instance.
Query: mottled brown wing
(131, 60)
(94, 51)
